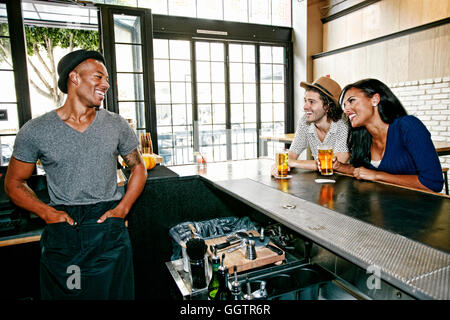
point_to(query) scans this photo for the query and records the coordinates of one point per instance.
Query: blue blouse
(410, 151)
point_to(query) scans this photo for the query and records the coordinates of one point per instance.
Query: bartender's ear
(74, 77)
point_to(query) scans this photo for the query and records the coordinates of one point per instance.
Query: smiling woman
(385, 143)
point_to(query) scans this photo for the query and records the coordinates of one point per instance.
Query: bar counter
(403, 232)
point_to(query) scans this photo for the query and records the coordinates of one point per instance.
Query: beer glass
(326, 160)
(281, 159)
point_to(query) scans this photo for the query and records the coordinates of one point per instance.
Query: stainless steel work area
(370, 225)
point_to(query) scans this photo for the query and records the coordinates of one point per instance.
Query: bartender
(85, 247)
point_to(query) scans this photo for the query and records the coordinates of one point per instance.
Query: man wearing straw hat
(321, 125)
(85, 247)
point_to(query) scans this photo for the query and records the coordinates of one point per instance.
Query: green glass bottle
(223, 292)
(214, 283)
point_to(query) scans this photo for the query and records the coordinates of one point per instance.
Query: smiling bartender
(85, 247)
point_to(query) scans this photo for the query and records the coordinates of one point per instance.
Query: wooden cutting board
(264, 256)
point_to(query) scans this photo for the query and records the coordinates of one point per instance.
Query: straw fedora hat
(327, 86)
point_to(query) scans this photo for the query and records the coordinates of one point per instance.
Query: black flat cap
(70, 61)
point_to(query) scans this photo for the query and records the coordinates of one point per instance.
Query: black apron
(91, 261)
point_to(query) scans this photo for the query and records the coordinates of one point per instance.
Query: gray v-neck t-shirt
(81, 167)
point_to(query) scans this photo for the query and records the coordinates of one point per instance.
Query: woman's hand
(362, 173)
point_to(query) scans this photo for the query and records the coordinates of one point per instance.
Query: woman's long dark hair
(389, 108)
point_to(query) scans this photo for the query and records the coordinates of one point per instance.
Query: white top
(306, 136)
(375, 163)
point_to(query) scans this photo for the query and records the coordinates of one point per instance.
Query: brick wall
(428, 100)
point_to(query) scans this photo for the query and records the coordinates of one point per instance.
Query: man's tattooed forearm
(133, 158)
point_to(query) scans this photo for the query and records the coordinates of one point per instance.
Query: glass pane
(278, 128)
(163, 115)
(218, 92)
(203, 72)
(180, 49)
(12, 124)
(202, 51)
(219, 113)
(3, 25)
(237, 134)
(162, 92)
(277, 54)
(266, 72)
(160, 49)
(210, 9)
(236, 93)
(235, 10)
(157, 6)
(236, 72)
(5, 53)
(127, 29)
(266, 112)
(130, 86)
(180, 114)
(134, 111)
(266, 128)
(161, 70)
(204, 92)
(250, 112)
(249, 72)
(235, 52)
(218, 73)
(265, 54)
(266, 92)
(129, 58)
(179, 93)
(180, 70)
(7, 90)
(248, 53)
(204, 113)
(249, 92)
(259, 11)
(217, 53)
(237, 113)
(185, 8)
(278, 112)
(281, 13)
(278, 92)
(165, 136)
(278, 74)
(6, 149)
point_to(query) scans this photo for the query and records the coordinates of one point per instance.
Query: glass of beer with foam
(281, 159)
(326, 160)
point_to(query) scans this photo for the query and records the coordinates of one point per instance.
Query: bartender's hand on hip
(56, 216)
(117, 212)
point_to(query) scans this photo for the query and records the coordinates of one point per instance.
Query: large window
(9, 122)
(273, 84)
(172, 63)
(243, 101)
(215, 95)
(210, 66)
(271, 12)
(229, 102)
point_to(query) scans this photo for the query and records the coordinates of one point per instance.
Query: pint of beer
(326, 160)
(281, 159)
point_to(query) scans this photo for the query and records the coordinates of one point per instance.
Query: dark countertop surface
(419, 216)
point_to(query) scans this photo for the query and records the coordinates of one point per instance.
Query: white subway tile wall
(428, 100)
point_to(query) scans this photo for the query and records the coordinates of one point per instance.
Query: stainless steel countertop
(402, 232)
